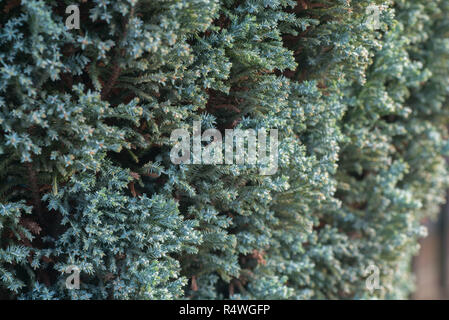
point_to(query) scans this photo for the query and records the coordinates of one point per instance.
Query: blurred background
(431, 266)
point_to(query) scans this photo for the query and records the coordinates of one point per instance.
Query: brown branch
(231, 289)
(116, 70)
(35, 190)
(132, 189)
(228, 107)
(11, 5)
(194, 285)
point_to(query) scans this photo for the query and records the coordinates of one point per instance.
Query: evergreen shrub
(356, 88)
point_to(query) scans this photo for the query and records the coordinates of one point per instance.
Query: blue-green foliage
(86, 117)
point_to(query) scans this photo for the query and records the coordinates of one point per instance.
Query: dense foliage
(86, 117)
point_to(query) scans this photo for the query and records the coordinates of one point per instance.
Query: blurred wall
(431, 266)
